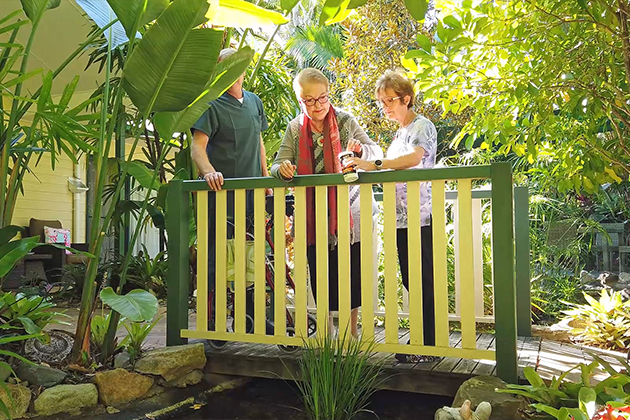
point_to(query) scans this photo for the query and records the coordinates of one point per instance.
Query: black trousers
(428, 304)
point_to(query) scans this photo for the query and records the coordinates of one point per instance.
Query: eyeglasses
(386, 102)
(311, 101)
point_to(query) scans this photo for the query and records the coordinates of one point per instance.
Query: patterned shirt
(419, 133)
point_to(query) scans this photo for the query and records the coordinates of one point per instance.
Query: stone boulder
(482, 388)
(624, 277)
(40, 375)
(118, 386)
(66, 399)
(586, 277)
(172, 363)
(18, 402)
(192, 378)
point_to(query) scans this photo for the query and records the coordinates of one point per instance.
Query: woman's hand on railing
(286, 170)
(214, 180)
(358, 163)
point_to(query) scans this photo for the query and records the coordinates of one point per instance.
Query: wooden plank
(343, 249)
(466, 263)
(299, 269)
(367, 262)
(240, 262)
(554, 361)
(279, 240)
(415, 264)
(221, 262)
(486, 367)
(447, 363)
(321, 233)
(467, 366)
(202, 261)
(260, 284)
(391, 263)
(439, 265)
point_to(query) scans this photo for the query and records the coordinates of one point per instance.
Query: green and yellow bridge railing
(503, 261)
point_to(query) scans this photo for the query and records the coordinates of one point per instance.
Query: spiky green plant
(337, 376)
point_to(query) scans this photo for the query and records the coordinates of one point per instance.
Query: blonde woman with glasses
(311, 145)
(414, 147)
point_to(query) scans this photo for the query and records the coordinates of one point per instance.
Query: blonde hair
(397, 82)
(306, 76)
(225, 53)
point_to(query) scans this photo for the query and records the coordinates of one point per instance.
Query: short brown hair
(397, 82)
(309, 75)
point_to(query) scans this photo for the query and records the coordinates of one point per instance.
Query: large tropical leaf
(102, 14)
(288, 5)
(137, 305)
(143, 175)
(171, 65)
(8, 232)
(241, 14)
(133, 14)
(224, 76)
(14, 251)
(33, 7)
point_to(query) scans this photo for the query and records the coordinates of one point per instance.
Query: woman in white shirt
(414, 146)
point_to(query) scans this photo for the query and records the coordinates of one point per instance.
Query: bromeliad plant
(137, 333)
(584, 400)
(27, 314)
(602, 323)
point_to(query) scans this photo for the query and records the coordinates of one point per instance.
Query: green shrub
(137, 333)
(29, 314)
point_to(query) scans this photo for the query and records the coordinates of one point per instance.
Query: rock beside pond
(122, 360)
(624, 277)
(586, 277)
(191, 378)
(482, 388)
(18, 402)
(172, 363)
(483, 412)
(119, 386)
(40, 375)
(66, 399)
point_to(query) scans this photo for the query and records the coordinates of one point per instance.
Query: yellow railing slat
(440, 272)
(343, 249)
(260, 284)
(321, 246)
(279, 242)
(466, 264)
(300, 267)
(221, 261)
(240, 261)
(478, 257)
(416, 328)
(391, 256)
(367, 263)
(202, 261)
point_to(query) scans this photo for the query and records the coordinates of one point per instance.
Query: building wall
(46, 196)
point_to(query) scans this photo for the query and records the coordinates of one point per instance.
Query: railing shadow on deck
(294, 331)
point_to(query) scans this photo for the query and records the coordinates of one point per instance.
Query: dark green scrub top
(234, 134)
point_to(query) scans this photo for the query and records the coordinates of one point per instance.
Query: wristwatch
(378, 164)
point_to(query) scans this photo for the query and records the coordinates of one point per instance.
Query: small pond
(269, 399)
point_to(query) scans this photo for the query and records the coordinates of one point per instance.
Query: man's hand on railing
(214, 180)
(286, 170)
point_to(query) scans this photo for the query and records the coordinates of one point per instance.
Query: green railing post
(523, 289)
(503, 273)
(177, 228)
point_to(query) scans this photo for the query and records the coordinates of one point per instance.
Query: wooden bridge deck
(549, 358)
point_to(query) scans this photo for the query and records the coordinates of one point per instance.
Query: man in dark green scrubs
(227, 143)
